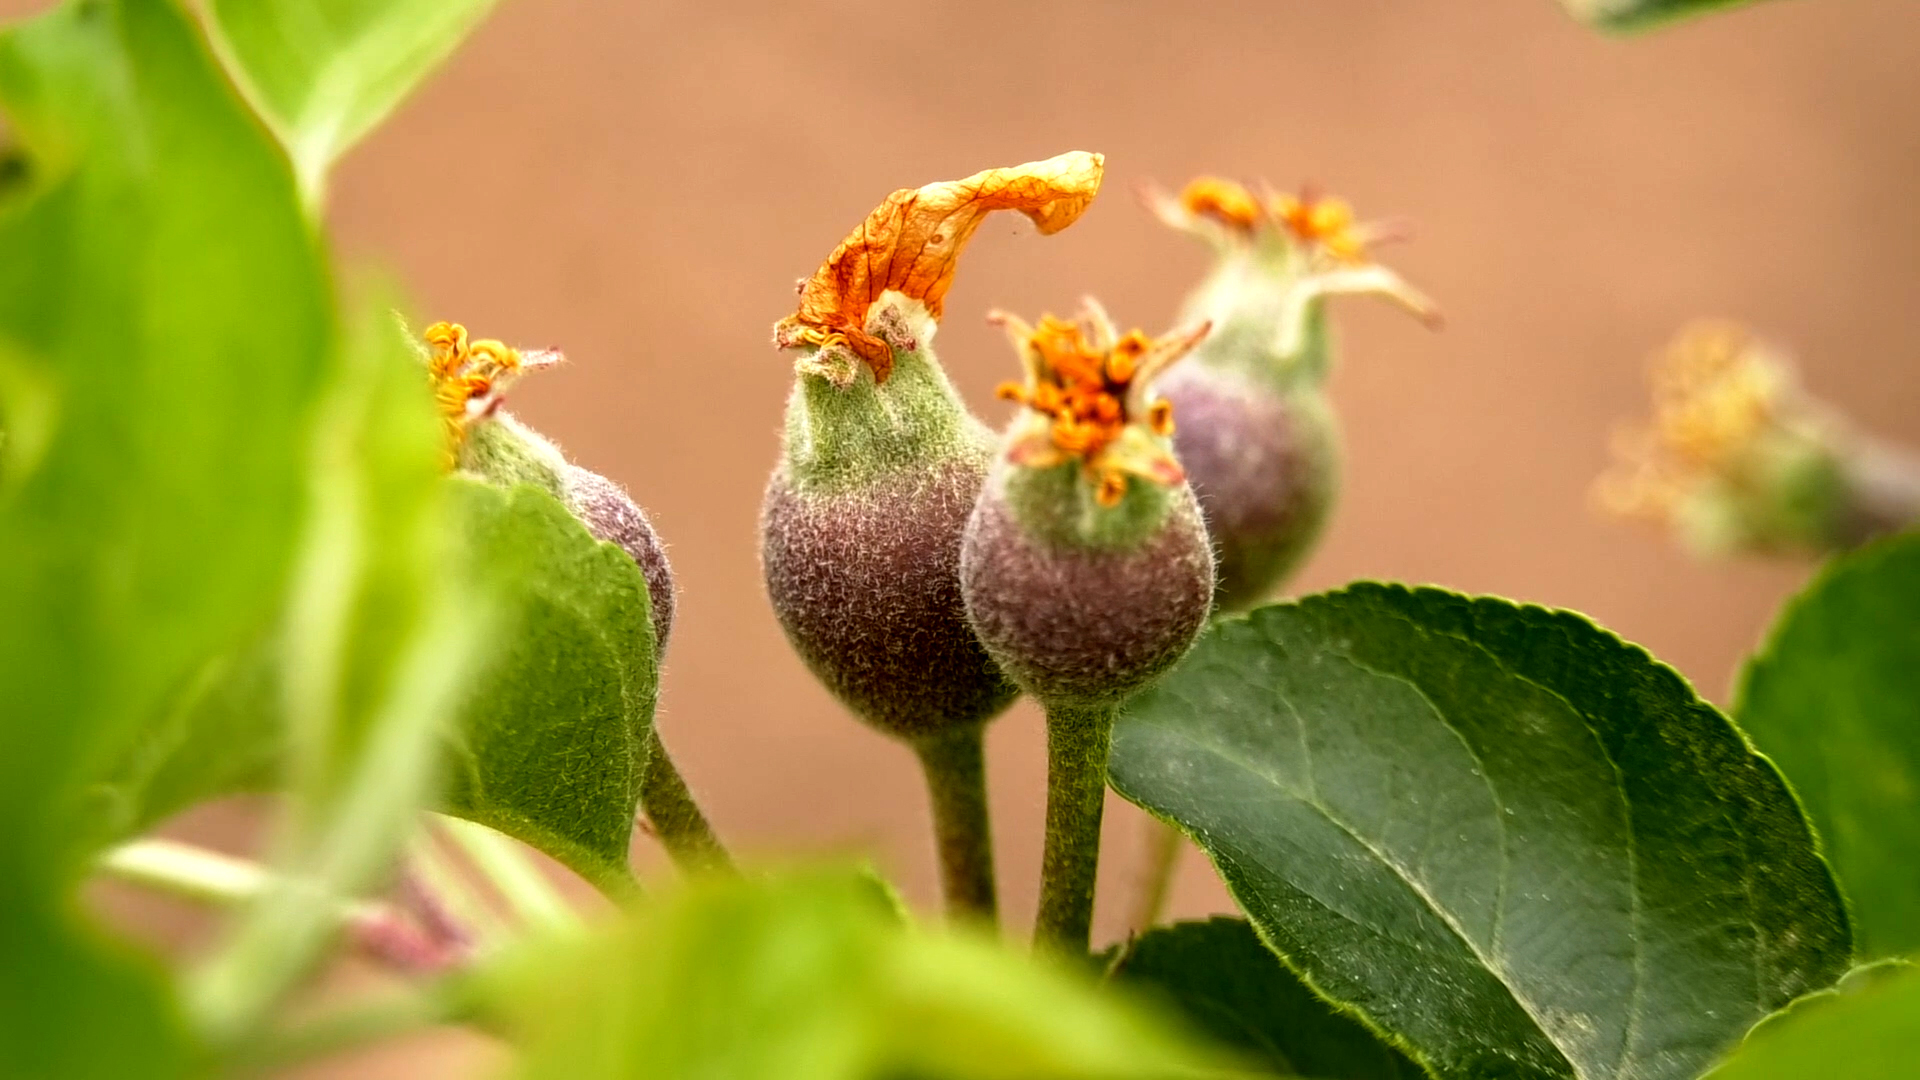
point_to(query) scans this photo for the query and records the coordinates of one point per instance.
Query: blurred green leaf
(552, 744)
(1869, 1031)
(163, 330)
(812, 976)
(324, 72)
(1834, 698)
(1508, 839)
(1231, 986)
(1642, 14)
(381, 638)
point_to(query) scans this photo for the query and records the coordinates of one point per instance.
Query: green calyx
(1059, 506)
(1250, 296)
(505, 452)
(1794, 496)
(843, 437)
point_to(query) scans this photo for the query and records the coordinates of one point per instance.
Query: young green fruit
(470, 379)
(1739, 459)
(882, 463)
(1257, 435)
(1086, 567)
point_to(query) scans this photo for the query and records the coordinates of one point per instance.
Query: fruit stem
(1163, 845)
(1078, 738)
(955, 764)
(676, 819)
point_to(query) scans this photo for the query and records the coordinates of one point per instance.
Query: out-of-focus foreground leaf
(1230, 985)
(324, 72)
(1641, 14)
(549, 743)
(812, 976)
(1834, 697)
(1866, 1032)
(381, 639)
(163, 334)
(1509, 840)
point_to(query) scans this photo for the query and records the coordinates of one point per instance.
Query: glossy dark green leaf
(164, 326)
(1508, 839)
(812, 976)
(1869, 1031)
(324, 72)
(1230, 985)
(552, 744)
(1833, 697)
(1641, 14)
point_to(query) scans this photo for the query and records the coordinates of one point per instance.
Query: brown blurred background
(641, 184)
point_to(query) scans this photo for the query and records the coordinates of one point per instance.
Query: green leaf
(1867, 1032)
(1641, 14)
(324, 72)
(812, 976)
(1230, 985)
(552, 744)
(162, 293)
(381, 639)
(1509, 840)
(1834, 697)
(163, 326)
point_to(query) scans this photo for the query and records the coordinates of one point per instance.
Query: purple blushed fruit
(610, 514)
(1086, 568)
(861, 524)
(1257, 436)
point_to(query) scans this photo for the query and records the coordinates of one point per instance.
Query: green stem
(675, 817)
(1077, 742)
(955, 764)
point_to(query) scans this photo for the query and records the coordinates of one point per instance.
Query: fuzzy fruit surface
(1080, 610)
(610, 514)
(506, 452)
(866, 584)
(1264, 464)
(860, 544)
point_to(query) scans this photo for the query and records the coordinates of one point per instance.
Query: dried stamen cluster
(1719, 396)
(469, 377)
(1090, 384)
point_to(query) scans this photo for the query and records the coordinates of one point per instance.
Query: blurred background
(640, 185)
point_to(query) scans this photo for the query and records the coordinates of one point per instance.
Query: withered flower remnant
(1260, 444)
(1738, 458)
(910, 246)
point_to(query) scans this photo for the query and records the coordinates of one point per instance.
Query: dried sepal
(1087, 387)
(911, 244)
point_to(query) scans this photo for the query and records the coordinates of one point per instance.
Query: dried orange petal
(912, 241)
